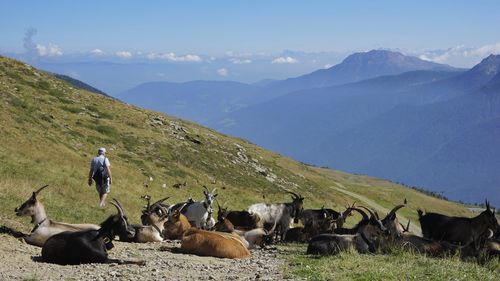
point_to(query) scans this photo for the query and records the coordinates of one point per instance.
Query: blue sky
(239, 40)
(215, 27)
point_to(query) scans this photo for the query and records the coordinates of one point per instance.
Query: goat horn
(370, 211)
(159, 201)
(213, 191)
(41, 188)
(365, 216)
(294, 194)
(394, 210)
(119, 205)
(120, 211)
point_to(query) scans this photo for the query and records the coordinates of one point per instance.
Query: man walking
(100, 172)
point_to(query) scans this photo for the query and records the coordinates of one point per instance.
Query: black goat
(457, 230)
(88, 246)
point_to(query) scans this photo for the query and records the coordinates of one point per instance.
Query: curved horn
(365, 216)
(120, 206)
(394, 210)
(370, 211)
(120, 211)
(40, 189)
(294, 194)
(213, 191)
(159, 201)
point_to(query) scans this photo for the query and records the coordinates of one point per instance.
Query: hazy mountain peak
(489, 66)
(392, 59)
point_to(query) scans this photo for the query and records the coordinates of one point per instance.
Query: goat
(239, 219)
(44, 228)
(198, 212)
(90, 246)
(401, 236)
(254, 237)
(364, 240)
(204, 243)
(281, 213)
(315, 216)
(155, 216)
(457, 230)
(303, 234)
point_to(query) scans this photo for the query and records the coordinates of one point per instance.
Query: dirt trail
(17, 264)
(341, 188)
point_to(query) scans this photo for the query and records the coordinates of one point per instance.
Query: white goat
(199, 213)
(281, 213)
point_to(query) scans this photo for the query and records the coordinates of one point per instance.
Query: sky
(459, 33)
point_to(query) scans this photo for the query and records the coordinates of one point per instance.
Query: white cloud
(284, 60)
(328, 65)
(222, 72)
(51, 50)
(461, 55)
(124, 54)
(97, 52)
(240, 61)
(173, 57)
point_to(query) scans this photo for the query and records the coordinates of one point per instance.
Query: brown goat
(204, 243)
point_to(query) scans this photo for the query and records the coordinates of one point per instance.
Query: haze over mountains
(379, 113)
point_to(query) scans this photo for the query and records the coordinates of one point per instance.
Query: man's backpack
(101, 174)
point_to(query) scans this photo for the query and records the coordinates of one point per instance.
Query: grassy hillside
(50, 131)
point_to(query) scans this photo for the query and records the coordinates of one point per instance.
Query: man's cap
(102, 149)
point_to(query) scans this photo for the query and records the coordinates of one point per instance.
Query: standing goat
(44, 228)
(88, 246)
(198, 213)
(458, 230)
(281, 213)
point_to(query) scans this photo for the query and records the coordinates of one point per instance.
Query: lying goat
(156, 216)
(242, 220)
(369, 231)
(205, 243)
(314, 217)
(254, 237)
(44, 228)
(88, 246)
(458, 230)
(400, 236)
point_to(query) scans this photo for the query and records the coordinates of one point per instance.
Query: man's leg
(102, 197)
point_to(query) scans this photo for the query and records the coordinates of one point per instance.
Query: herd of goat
(232, 233)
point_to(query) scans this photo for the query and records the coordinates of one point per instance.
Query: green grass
(398, 265)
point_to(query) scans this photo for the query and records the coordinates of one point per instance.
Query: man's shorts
(104, 188)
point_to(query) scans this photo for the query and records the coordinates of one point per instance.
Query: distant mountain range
(379, 113)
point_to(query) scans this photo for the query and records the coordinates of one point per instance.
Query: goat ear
(33, 196)
(215, 195)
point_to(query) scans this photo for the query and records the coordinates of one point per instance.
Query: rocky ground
(17, 264)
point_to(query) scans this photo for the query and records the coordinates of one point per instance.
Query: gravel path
(17, 264)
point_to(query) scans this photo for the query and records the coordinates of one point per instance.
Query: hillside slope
(50, 130)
